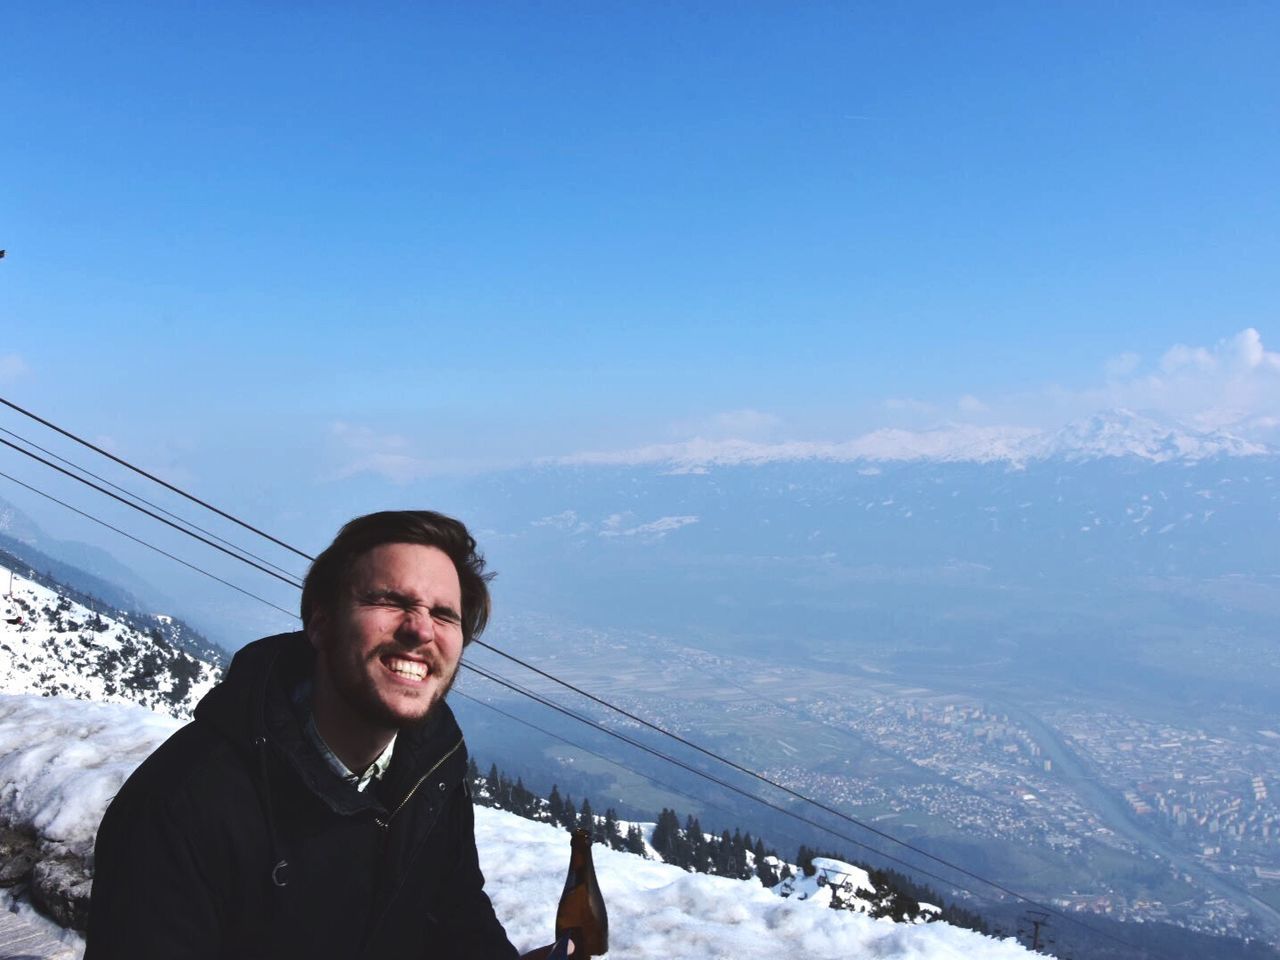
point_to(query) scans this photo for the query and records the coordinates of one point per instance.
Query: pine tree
(555, 804)
(724, 861)
(666, 836)
(586, 819)
(569, 815)
(804, 860)
(522, 799)
(634, 841)
(612, 835)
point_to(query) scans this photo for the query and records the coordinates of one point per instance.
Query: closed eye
(392, 598)
(387, 598)
(446, 615)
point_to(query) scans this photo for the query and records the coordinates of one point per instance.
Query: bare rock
(18, 854)
(60, 889)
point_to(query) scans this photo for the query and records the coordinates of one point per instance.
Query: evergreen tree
(555, 804)
(612, 835)
(724, 860)
(586, 819)
(767, 874)
(804, 860)
(522, 800)
(569, 815)
(666, 836)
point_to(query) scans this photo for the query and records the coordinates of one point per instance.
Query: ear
(317, 628)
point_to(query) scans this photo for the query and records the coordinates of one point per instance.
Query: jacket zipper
(386, 837)
(386, 824)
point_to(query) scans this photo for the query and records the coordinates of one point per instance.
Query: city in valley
(1077, 804)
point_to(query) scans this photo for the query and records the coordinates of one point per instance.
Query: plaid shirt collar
(358, 780)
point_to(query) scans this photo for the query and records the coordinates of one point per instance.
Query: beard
(356, 681)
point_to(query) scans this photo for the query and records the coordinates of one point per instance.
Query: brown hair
(331, 570)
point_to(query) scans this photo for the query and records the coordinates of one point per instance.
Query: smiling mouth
(408, 669)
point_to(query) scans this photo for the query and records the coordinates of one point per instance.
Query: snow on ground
(658, 911)
(62, 760)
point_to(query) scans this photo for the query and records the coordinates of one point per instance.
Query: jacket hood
(253, 707)
(237, 705)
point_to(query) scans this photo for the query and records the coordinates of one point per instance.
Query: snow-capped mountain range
(1114, 433)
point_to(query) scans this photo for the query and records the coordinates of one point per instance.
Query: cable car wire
(141, 499)
(155, 516)
(671, 788)
(150, 546)
(150, 476)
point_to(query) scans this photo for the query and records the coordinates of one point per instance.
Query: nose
(416, 627)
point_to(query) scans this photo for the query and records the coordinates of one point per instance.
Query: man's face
(389, 649)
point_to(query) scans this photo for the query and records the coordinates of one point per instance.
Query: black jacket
(235, 840)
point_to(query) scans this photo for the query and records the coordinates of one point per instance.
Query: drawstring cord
(281, 865)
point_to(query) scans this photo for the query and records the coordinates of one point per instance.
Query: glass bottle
(581, 913)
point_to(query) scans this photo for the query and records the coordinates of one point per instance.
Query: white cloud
(1122, 365)
(731, 424)
(654, 530)
(1181, 357)
(911, 406)
(916, 412)
(12, 367)
(1232, 385)
(566, 520)
(1247, 346)
(364, 450)
(365, 438)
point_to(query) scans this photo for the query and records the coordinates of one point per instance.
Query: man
(317, 805)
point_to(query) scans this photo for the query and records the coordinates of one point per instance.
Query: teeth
(407, 668)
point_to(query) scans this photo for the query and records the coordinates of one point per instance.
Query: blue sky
(487, 232)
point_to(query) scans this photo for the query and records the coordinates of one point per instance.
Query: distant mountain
(86, 568)
(1114, 433)
(1122, 433)
(55, 645)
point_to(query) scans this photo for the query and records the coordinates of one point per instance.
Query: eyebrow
(404, 600)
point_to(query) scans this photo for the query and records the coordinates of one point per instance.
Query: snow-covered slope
(62, 760)
(53, 646)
